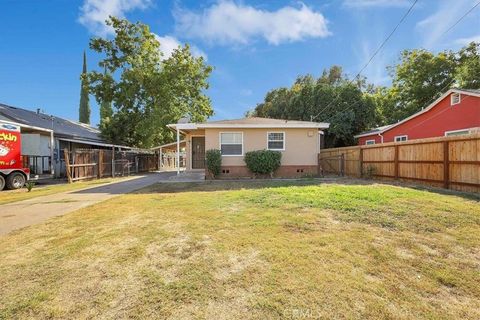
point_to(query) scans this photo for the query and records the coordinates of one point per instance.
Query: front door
(198, 152)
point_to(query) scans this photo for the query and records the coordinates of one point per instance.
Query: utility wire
(461, 18)
(374, 54)
(445, 32)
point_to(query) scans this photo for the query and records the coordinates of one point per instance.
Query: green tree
(420, 77)
(347, 105)
(467, 73)
(147, 92)
(106, 110)
(84, 108)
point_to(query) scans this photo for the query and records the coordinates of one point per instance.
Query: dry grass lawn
(256, 250)
(8, 196)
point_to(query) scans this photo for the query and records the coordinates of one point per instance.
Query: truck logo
(8, 137)
(9, 127)
(4, 151)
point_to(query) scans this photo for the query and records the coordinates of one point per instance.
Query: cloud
(376, 3)
(466, 41)
(93, 13)
(169, 43)
(229, 23)
(433, 27)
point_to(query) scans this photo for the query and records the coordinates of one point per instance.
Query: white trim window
(276, 141)
(369, 142)
(457, 132)
(231, 143)
(455, 98)
(401, 138)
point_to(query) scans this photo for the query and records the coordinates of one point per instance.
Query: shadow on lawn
(225, 185)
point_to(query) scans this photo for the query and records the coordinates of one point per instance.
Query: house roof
(251, 122)
(61, 127)
(379, 130)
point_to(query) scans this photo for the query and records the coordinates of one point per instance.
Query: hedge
(263, 161)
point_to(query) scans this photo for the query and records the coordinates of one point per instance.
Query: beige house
(298, 141)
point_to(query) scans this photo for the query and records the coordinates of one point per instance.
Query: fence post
(319, 166)
(342, 163)
(446, 165)
(361, 162)
(100, 164)
(396, 162)
(113, 162)
(67, 165)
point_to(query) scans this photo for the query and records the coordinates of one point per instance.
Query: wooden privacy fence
(449, 162)
(98, 163)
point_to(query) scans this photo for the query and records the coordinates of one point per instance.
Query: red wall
(433, 123)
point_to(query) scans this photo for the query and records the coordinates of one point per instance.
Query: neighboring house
(40, 131)
(298, 141)
(454, 113)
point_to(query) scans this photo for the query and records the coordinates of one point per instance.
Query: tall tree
(106, 110)
(467, 73)
(347, 105)
(147, 91)
(422, 76)
(84, 108)
(419, 77)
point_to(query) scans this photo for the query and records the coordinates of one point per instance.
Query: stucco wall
(301, 145)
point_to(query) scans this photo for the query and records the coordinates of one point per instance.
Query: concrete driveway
(24, 213)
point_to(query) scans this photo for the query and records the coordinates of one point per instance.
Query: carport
(171, 156)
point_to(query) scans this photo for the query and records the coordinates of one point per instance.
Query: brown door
(198, 152)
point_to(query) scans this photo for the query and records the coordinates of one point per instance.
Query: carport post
(178, 151)
(52, 148)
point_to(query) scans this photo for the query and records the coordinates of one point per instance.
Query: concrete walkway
(24, 213)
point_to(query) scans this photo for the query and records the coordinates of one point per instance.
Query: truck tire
(2, 182)
(15, 180)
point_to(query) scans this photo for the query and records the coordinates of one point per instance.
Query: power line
(375, 53)
(445, 32)
(461, 18)
(448, 84)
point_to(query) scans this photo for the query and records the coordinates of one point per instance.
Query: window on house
(231, 143)
(455, 98)
(401, 138)
(368, 142)
(457, 132)
(276, 141)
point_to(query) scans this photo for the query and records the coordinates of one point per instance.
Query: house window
(231, 143)
(456, 132)
(276, 140)
(401, 138)
(455, 98)
(368, 142)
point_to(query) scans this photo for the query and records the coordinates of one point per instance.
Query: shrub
(214, 162)
(263, 161)
(29, 185)
(369, 172)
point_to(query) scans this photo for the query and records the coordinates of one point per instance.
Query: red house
(456, 112)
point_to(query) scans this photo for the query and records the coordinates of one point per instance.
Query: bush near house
(263, 161)
(214, 162)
